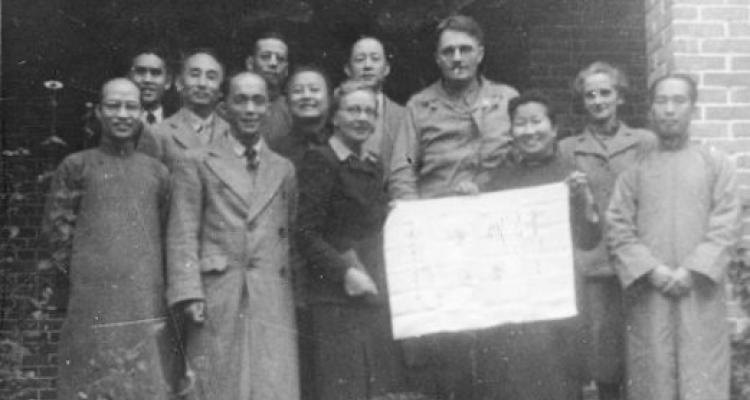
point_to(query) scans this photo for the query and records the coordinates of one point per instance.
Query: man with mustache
(455, 132)
(196, 123)
(103, 221)
(232, 211)
(368, 63)
(673, 221)
(270, 59)
(149, 71)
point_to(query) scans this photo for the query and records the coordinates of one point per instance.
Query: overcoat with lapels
(228, 244)
(169, 140)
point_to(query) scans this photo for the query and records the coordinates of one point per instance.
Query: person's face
(458, 56)
(672, 109)
(246, 104)
(149, 72)
(271, 60)
(601, 97)
(355, 118)
(200, 80)
(120, 109)
(533, 132)
(368, 62)
(308, 95)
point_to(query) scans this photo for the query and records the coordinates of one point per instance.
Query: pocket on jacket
(214, 263)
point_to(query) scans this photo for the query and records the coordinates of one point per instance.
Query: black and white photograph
(375, 200)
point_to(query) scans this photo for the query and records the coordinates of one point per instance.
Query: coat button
(282, 232)
(283, 272)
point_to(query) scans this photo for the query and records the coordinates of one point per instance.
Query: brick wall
(709, 38)
(566, 36)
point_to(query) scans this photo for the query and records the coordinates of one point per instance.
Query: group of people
(233, 250)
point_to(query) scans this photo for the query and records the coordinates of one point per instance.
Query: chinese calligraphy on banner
(471, 262)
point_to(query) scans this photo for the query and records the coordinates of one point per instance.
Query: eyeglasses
(592, 94)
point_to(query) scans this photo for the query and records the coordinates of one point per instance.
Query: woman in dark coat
(537, 360)
(342, 207)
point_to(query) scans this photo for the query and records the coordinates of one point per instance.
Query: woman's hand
(577, 182)
(579, 186)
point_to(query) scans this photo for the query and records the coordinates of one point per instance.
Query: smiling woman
(540, 359)
(605, 148)
(309, 94)
(341, 214)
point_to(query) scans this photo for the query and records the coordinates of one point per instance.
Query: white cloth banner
(472, 262)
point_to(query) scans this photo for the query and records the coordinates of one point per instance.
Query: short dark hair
(309, 68)
(156, 50)
(201, 50)
(692, 86)
(360, 38)
(269, 35)
(460, 23)
(533, 96)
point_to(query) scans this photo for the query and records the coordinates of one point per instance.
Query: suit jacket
(170, 139)
(393, 115)
(228, 244)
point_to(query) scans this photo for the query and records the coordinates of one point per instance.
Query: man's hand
(358, 283)
(661, 277)
(195, 311)
(683, 282)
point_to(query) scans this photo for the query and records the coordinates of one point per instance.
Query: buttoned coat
(229, 244)
(602, 166)
(677, 208)
(600, 300)
(169, 140)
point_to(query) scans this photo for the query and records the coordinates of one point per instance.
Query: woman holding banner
(538, 360)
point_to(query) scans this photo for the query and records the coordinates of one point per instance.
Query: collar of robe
(121, 148)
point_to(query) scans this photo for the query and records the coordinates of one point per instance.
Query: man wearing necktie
(196, 123)
(233, 206)
(149, 71)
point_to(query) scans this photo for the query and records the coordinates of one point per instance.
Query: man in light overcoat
(228, 266)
